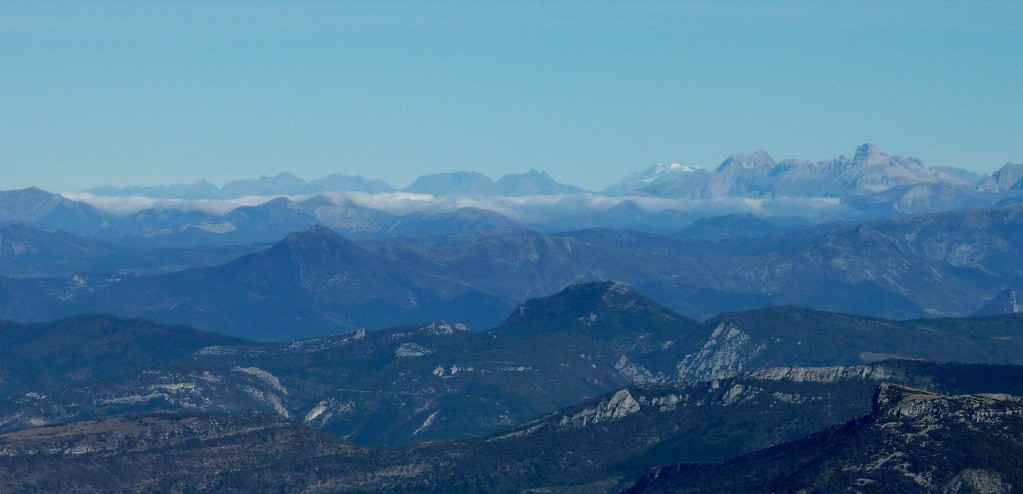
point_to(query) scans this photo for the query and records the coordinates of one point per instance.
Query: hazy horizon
(399, 186)
(117, 93)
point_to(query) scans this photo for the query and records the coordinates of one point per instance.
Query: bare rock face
(725, 354)
(823, 374)
(619, 405)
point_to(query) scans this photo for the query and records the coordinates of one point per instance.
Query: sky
(146, 93)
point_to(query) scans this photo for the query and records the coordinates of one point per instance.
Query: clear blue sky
(146, 93)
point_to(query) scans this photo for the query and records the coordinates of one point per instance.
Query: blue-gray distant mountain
(311, 283)
(626, 214)
(344, 215)
(28, 252)
(452, 183)
(955, 261)
(339, 182)
(968, 176)
(532, 183)
(936, 264)
(461, 220)
(196, 190)
(278, 217)
(731, 226)
(36, 207)
(919, 198)
(282, 184)
(161, 226)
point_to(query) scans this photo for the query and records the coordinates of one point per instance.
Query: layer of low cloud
(525, 209)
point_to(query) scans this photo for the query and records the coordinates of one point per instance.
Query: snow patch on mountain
(656, 174)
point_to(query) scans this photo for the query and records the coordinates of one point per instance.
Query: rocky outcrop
(619, 405)
(727, 353)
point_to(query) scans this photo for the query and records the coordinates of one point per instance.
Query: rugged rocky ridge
(911, 441)
(592, 447)
(757, 175)
(793, 337)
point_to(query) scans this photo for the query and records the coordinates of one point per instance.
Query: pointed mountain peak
(287, 178)
(626, 207)
(867, 150)
(319, 246)
(1006, 302)
(277, 202)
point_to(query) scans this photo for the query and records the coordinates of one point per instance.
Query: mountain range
(788, 193)
(870, 180)
(317, 282)
(281, 184)
(532, 182)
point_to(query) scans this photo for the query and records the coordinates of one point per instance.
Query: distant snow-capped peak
(659, 173)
